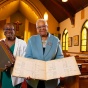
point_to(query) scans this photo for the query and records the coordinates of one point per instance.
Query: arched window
(65, 40)
(84, 36)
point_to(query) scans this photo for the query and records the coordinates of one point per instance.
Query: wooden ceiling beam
(69, 14)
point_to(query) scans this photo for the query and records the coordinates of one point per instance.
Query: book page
(62, 68)
(45, 70)
(25, 67)
(70, 67)
(53, 69)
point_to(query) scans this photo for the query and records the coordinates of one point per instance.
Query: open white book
(45, 70)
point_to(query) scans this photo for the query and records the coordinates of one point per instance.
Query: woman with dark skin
(17, 47)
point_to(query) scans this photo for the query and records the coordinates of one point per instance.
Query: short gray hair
(43, 20)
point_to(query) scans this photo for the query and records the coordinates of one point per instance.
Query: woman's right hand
(10, 65)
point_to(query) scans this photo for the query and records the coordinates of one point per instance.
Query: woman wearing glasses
(17, 48)
(43, 46)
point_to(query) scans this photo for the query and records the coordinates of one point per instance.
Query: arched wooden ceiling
(60, 10)
(26, 7)
(63, 10)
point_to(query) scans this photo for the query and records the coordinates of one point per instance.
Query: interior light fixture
(46, 16)
(64, 0)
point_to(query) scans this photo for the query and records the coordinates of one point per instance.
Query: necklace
(44, 43)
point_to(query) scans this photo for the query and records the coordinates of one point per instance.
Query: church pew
(82, 60)
(83, 82)
(84, 69)
(83, 78)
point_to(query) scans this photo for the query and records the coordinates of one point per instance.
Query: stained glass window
(84, 36)
(65, 40)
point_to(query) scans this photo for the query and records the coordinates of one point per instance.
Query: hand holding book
(6, 57)
(10, 65)
(45, 70)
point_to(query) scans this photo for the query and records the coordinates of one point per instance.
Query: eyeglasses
(8, 29)
(40, 27)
